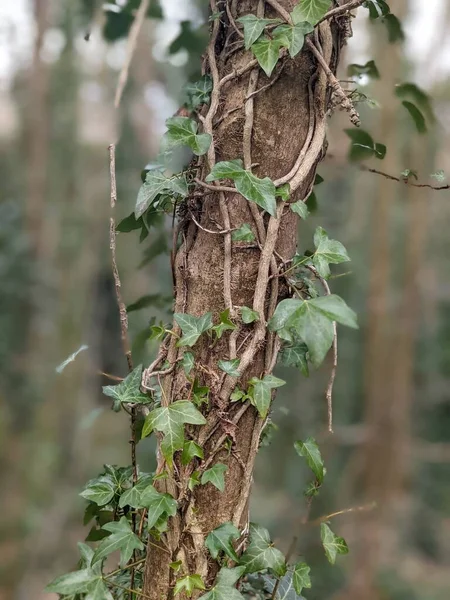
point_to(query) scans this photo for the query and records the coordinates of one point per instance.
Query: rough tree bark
(279, 130)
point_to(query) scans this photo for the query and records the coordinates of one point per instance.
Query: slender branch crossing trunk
(277, 126)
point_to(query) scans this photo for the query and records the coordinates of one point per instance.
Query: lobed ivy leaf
(312, 320)
(249, 315)
(243, 234)
(310, 450)
(266, 51)
(128, 391)
(261, 554)
(122, 538)
(225, 324)
(296, 356)
(132, 496)
(261, 394)
(155, 184)
(332, 544)
(188, 584)
(253, 28)
(292, 37)
(190, 450)
(75, 582)
(300, 208)
(300, 577)
(327, 252)
(198, 92)
(192, 327)
(182, 131)
(231, 367)
(159, 506)
(285, 589)
(310, 10)
(98, 591)
(100, 490)
(225, 585)
(170, 421)
(220, 540)
(188, 362)
(260, 191)
(216, 476)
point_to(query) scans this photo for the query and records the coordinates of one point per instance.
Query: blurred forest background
(391, 444)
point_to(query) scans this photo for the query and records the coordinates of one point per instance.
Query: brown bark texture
(277, 126)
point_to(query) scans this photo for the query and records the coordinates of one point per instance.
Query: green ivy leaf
(243, 234)
(377, 8)
(198, 92)
(156, 183)
(253, 28)
(100, 490)
(296, 356)
(122, 538)
(225, 585)
(363, 145)
(310, 10)
(220, 540)
(159, 506)
(261, 554)
(394, 28)
(128, 391)
(266, 51)
(327, 252)
(194, 480)
(225, 324)
(333, 545)
(416, 95)
(249, 315)
(74, 583)
(370, 69)
(182, 131)
(312, 320)
(310, 450)
(170, 421)
(132, 496)
(261, 394)
(200, 393)
(190, 449)
(231, 367)
(260, 191)
(188, 362)
(192, 327)
(98, 591)
(417, 116)
(300, 209)
(292, 37)
(188, 584)
(216, 476)
(300, 577)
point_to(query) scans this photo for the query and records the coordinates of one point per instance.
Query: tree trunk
(276, 130)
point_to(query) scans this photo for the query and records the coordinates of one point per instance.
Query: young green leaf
(188, 584)
(394, 28)
(159, 506)
(310, 450)
(194, 480)
(122, 538)
(266, 51)
(296, 356)
(98, 591)
(156, 183)
(100, 490)
(198, 92)
(417, 116)
(327, 252)
(192, 327)
(333, 545)
(132, 496)
(312, 320)
(253, 28)
(362, 146)
(188, 362)
(243, 234)
(220, 540)
(416, 95)
(76, 582)
(216, 476)
(200, 393)
(249, 315)
(128, 391)
(292, 37)
(190, 450)
(300, 577)
(261, 394)
(300, 208)
(225, 585)
(231, 367)
(225, 324)
(261, 554)
(182, 131)
(310, 10)
(260, 191)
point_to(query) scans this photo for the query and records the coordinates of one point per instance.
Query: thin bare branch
(405, 180)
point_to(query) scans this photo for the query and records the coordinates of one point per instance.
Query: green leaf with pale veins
(243, 234)
(253, 28)
(122, 538)
(216, 476)
(190, 450)
(296, 356)
(260, 191)
(261, 554)
(128, 391)
(159, 506)
(198, 92)
(132, 496)
(98, 591)
(100, 490)
(182, 131)
(300, 577)
(249, 315)
(220, 540)
(188, 362)
(156, 183)
(310, 450)
(292, 37)
(192, 327)
(225, 324)
(76, 582)
(170, 420)
(310, 10)
(266, 51)
(261, 394)
(231, 367)
(225, 585)
(327, 252)
(300, 209)
(332, 544)
(188, 584)
(312, 320)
